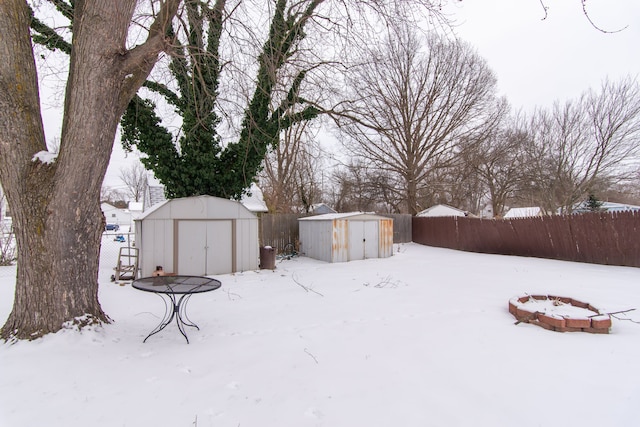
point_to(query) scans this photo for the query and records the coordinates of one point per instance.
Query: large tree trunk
(55, 205)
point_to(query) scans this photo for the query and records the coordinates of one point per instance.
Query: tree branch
(139, 61)
(593, 24)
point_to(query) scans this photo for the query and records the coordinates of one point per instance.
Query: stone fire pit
(559, 314)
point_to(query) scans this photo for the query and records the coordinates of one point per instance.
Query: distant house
(442, 210)
(114, 215)
(254, 201)
(153, 195)
(523, 212)
(608, 207)
(321, 209)
(618, 207)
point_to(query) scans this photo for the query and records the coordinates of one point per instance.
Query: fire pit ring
(569, 315)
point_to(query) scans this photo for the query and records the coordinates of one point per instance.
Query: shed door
(363, 240)
(205, 247)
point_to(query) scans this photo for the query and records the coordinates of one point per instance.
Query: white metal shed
(200, 235)
(346, 236)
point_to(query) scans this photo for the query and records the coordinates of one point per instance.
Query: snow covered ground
(423, 338)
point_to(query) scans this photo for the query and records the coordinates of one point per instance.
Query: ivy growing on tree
(198, 163)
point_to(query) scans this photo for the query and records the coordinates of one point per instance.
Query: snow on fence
(599, 238)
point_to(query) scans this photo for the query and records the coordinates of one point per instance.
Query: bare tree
(583, 146)
(359, 187)
(135, 179)
(499, 161)
(113, 196)
(289, 178)
(412, 107)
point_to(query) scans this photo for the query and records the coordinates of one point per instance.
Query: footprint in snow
(313, 413)
(233, 385)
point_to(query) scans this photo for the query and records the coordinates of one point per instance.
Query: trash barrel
(267, 258)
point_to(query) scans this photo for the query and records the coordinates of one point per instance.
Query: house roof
(156, 195)
(255, 202)
(442, 210)
(523, 212)
(135, 206)
(321, 209)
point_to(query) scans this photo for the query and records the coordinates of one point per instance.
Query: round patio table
(169, 288)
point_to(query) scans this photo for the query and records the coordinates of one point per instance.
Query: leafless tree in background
(583, 146)
(499, 162)
(414, 100)
(291, 179)
(135, 179)
(113, 196)
(357, 186)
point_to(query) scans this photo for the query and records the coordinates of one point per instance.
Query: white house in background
(321, 209)
(153, 195)
(255, 201)
(135, 209)
(442, 210)
(114, 215)
(523, 212)
(608, 207)
(618, 207)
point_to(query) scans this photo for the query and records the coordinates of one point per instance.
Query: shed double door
(205, 247)
(363, 240)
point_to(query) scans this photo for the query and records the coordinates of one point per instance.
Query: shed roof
(198, 207)
(352, 215)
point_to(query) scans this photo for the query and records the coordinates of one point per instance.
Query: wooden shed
(200, 235)
(346, 236)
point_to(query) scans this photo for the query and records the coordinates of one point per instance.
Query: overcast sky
(538, 61)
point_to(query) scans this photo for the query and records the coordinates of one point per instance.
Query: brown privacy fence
(599, 238)
(277, 230)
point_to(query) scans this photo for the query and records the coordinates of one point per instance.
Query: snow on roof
(255, 202)
(442, 210)
(322, 208)
(332, 216)
(135, 206)
(523, 212)
(617, 207)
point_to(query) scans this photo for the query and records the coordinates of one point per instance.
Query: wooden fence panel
(601, 238)
(401, 227)
(278, 230)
